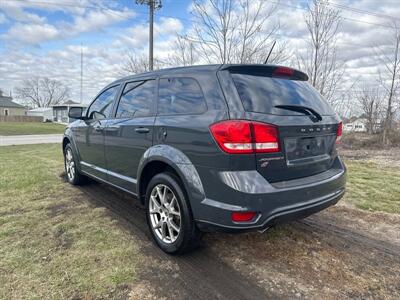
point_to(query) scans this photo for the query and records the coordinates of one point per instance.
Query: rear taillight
(241, 136)
(339, 132)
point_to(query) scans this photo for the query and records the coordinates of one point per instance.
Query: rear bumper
(276, 218)
(277, 203)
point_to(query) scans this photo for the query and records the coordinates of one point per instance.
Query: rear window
(262, 93)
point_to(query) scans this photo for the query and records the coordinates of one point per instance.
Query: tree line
(243, 31)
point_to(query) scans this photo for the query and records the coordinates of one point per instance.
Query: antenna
(270, 51)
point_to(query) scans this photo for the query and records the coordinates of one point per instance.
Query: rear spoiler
(267, 70)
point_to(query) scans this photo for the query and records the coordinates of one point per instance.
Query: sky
(46, 37)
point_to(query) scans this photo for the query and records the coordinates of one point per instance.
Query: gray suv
(216, 147)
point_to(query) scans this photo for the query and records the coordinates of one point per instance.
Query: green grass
(53, 244)
(22, 128)
(373, 187)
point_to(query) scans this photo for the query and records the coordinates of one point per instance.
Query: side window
(103, 102)
(180, 96)
(137, 99)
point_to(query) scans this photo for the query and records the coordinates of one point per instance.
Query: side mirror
(76, 113)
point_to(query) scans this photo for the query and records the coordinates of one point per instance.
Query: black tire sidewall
(76, 174)
(187, 223)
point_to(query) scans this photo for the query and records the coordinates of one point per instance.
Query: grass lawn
(53, 245)
(21, 128)
(373, 187)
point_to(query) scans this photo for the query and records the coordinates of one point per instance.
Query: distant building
(10, 108)
(45, 112)
(356, 125)
(60, 111)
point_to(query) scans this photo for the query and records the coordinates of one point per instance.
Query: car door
(130, 133)
(89, 135)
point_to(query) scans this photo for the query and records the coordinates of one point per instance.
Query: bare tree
(235, 31)
(42, 91)
(138, 63)
(184, 54)
(370, 103)
(389, 77)
(321, 62)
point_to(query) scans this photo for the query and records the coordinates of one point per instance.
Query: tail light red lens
(339, 132)
(265, 137)
(283, 72)
(246, 216)
(241, 136)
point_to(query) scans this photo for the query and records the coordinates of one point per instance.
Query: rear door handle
(98, 128)
(113, 128)
(142, 130)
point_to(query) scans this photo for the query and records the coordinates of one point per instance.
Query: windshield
(262, 94)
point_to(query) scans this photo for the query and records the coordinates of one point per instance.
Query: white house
(45, 112)
(60, 111)
(358, 125)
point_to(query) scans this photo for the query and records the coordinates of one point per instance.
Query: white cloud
(15, 11)
(168, 26)
(97, 20)
(103, 60)
(32, 29)
(31, 34)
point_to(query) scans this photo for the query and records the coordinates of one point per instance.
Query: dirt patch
(340, 253)
(372, 224)
(198, 275)
(145, 291)
(384, 157)
(324, 256)
(63, 238)
(17, 211)
(57, 209)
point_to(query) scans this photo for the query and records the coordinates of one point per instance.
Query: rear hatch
(306, 124)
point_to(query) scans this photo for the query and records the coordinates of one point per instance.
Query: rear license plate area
(300, 148)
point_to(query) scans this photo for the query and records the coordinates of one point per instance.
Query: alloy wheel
(165, 213)
(69, 164)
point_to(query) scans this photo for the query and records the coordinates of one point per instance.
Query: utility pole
(81, 73)
(153, 5)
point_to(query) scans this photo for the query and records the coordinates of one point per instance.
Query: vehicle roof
(188, 70)
(176, 70)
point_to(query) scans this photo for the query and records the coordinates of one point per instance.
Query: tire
(73, 176)
(164, 217)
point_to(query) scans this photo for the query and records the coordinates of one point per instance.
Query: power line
(344, 18)
(192, 21)
(120, 13)
(73, 5)
(363, 11)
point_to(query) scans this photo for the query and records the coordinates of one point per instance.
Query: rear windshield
(262, 93)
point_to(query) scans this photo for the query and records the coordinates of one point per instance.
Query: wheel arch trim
(180, 163)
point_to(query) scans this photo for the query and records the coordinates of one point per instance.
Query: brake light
(241, 136)
(283, 72)
(265, 137)
(245, 216)
(339, 132)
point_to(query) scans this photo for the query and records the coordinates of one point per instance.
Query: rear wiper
(302, 109)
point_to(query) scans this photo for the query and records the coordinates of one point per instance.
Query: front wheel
(169, 216)
(73, 175)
